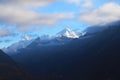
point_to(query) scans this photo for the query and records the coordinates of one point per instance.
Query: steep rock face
(8, 69)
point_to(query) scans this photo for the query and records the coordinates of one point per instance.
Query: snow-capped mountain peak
(67, 33)
(24, 42)
(43, 40)
(26, 38)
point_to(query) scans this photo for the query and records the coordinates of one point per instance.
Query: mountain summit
(18, 45)
(67, 33)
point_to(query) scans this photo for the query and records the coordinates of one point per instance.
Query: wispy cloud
(88, 3)
(17, 12)
(83, 3)
(4, 32)
(12, 15)
(109, 12)
(74, 1)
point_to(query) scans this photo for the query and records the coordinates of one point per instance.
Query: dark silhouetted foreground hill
(8, 69)
(95, 57)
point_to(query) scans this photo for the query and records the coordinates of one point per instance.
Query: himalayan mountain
(93, 54)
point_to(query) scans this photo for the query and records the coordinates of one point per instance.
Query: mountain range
(92, 56)
(45, 39)
(60, 38)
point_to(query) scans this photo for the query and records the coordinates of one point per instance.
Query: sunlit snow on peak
(68, 33)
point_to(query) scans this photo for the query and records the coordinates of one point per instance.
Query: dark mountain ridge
(91, 58)
(9, 69)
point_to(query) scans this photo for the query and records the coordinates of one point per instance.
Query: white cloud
(4, 32)
(27, 2)
(88, 3)
(109, 12)
(83, 3)
(74, 1)
(17, 12)
(20, 16)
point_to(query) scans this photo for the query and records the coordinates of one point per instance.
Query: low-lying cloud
(4, 32)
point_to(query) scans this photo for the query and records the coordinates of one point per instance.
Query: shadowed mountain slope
(96, 57)
(8, 69)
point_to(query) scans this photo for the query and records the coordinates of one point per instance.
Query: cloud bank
(18, 12)
(109, 12)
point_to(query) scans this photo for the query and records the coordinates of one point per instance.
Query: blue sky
(38, 17)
